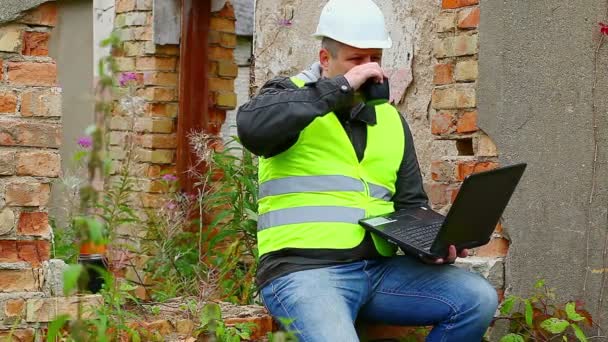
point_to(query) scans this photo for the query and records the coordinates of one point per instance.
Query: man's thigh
(322, 303)
(408, 292)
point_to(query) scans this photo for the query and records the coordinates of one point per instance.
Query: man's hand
(452, 254)
(361, 73)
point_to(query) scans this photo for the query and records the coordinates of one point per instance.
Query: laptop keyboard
(421, 236)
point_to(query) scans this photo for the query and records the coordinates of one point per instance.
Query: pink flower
(85, 142)
(169, 177)
(171, 205)
(285, 22)
(604, 28)
(126, 77)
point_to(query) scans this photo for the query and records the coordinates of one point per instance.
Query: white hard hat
(357, 23)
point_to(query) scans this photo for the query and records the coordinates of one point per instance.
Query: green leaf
(540, 283)
(555, 325)
(507, 305)
(512, 338)
(529, 312)
(252, 215)
(54, 327)
(210, 314)
(578, 332)
(572, 314)
(70, 278)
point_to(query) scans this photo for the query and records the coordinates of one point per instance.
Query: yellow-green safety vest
(312, 195)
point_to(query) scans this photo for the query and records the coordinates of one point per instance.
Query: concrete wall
(281, 50)
(535, 101)
(71, 46)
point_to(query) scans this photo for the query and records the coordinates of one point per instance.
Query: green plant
(212, 324)
(212, 258)
(538, 318)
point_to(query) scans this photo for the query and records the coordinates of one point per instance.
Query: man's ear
(324, 57)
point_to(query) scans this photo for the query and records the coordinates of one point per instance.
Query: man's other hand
(361, 73)
(452, 254)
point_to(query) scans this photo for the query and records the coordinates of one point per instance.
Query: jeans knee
(487, 299)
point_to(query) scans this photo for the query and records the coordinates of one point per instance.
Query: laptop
(470, 222)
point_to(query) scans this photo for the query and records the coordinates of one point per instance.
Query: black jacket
(271, 122)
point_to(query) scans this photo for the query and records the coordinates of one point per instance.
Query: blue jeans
(401, 290)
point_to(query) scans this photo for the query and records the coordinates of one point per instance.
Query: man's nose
(367, 59)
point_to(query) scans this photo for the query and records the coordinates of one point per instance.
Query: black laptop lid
(478, 207)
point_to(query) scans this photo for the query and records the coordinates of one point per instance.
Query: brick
(118, 138)
(156, 125)
(10, 38)
(214, 37)
(466, 168)
(450, 4)
(14, 307)
(166, 141)
(8, 102)
(221, 84)
(131, 19)
(443, 74)
(228, 40)
(18, 335)
(467, 123)
(225, 100)
(153, 200)
(442, 170)
(8, 252)
(34, 134)
(125, 6)
(454, 98)
(227, 69)
(135, 33)
(438, 193)
(35, 43)
(46, 309)
(462, 45)
(117, 153)
(484, 146)
(32, 73)
(162, 109)
(34, 252)
(125, 63)
(446, 22)
(155, 156)
(222, 24)
(33, 223)
(134, 48)
(7, 221)
(161, 78)
(38, 163)
(7, 163)
(468, 18)
(45, 103)
(26, 280)
(443, 122)
(44, 15)
(466, 71)
(160, 94)
(120, 123)
(143, 5)
(219, 53)
(27, 193)
(465, 45)
(156, 63)
(498, 247)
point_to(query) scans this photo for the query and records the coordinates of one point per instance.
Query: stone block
(466, 71)
(446, 22)
(46, 309)
(7, 221)
(10, 38)
(7, 163)
(18, 335)
(483, 146)
(43, 15)
(38, 163)
(53, 274)
(27, 193)
(45, 103)
(24, 280)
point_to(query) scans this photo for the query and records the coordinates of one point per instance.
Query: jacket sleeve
(409, 189)
(271, 122)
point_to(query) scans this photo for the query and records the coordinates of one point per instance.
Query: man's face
(346, 58)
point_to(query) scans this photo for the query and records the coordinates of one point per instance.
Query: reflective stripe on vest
(287, 216)
(313, 194)
(289, 185)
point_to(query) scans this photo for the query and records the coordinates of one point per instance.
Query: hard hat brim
(362, 44)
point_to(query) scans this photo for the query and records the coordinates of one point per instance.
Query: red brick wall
(455, 111)
(30, 135)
